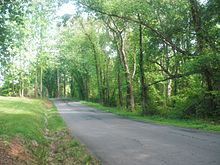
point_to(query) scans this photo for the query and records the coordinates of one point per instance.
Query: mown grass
(189, 123)
(34, 120)
(22, 117)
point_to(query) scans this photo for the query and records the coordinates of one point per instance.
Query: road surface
(120, 141)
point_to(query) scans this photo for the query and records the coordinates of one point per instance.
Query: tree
(157, 57)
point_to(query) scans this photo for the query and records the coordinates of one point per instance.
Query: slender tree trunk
(72, 86)
(120, 90)
(169, 88)
(175, 87)
(81, 85)
(41, 81)
(107, 82)
(36, 82)
(169, 82)
(86, 87)
(130, 95)
(105, 101)
(101, 82)
(141, 65)
(13, 88)
(120, 96)
(21, 89)
(58, 83)
(175, 84)
(64, 85)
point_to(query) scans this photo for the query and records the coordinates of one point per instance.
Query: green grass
(55, 122)
(29, 120)
(22, 117)
(191, 123)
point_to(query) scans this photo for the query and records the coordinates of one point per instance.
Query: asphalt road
(120, 141)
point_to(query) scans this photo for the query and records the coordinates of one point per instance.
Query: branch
(107, 23)
(162, 67)
(173, 77)
(159, 34)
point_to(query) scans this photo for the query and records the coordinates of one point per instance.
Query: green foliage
(96, 54)
(55, 122)
(10, 20)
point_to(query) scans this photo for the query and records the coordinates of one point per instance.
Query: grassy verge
(32, 132)
(192, 123)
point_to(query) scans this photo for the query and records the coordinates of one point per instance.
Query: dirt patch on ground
(5, 157)
(14, 153)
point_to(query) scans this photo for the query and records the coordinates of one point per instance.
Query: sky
(67, 8)
(203, 1)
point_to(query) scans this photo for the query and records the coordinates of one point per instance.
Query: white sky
(203, 1)
(67, 8)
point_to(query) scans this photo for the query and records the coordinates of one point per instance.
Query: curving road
(120, 141)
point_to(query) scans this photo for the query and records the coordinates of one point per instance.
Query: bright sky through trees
(68, 8)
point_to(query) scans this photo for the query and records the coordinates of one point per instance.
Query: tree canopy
(148, 56)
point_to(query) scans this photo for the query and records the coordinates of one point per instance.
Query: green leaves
(81, 55)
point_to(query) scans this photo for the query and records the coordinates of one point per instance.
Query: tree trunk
(13, 88)
(169, 88)
(175, 87)
(141, 65)
(64, 85)
(107, 81)
(119, 89)
(130, 95)
(106, 88)
(58, 83)
(21, 93)
(87, 87)
(123, 59)
(36, 82)
(41, 81)
(72, 86)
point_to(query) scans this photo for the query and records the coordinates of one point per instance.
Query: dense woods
(151, 56)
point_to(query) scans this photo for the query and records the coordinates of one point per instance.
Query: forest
(154, 57)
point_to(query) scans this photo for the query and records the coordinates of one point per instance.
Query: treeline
(156, 57)
(25, 45)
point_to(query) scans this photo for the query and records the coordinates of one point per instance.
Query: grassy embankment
(32, 132)
(189, 123)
